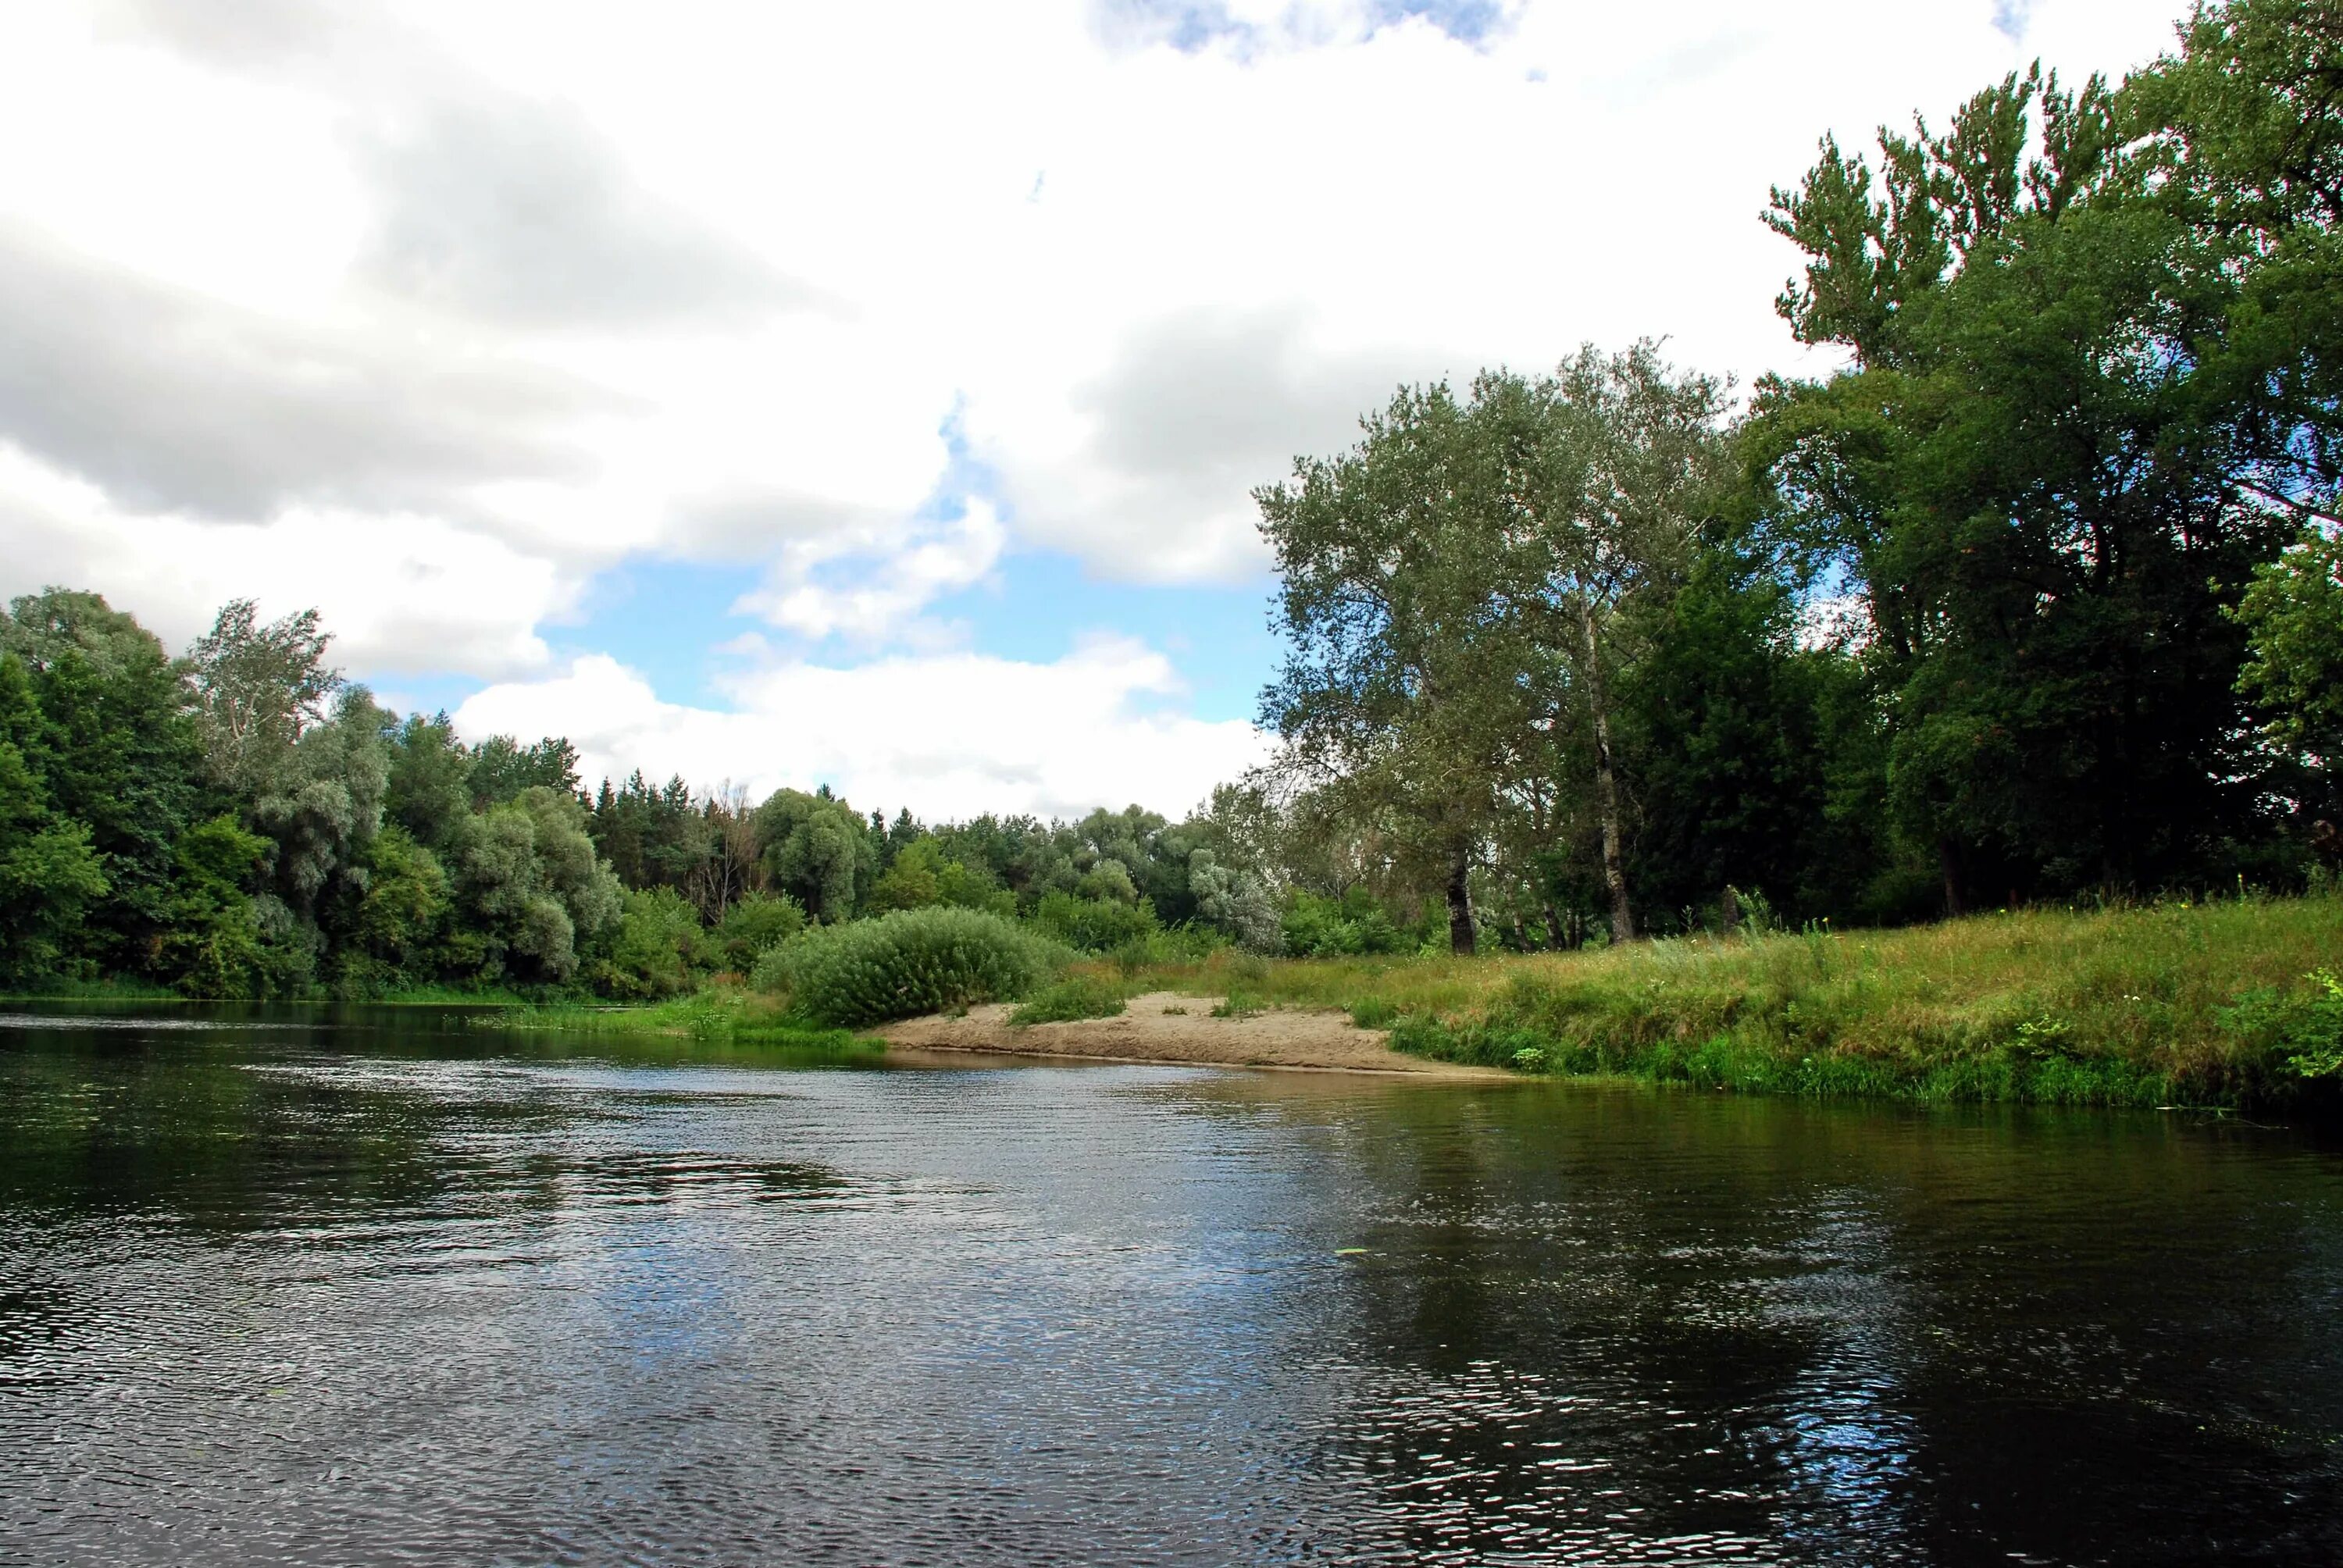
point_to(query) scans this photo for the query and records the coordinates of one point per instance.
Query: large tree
(2090, 391)
(1609, 467)
(1402, 697)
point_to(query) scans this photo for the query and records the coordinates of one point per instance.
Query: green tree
(2048, 474)
(1610, 467)
(117, 752)
(256, 689)
(1401, 699)
(428, 788)
(754, 922)
(321, 804)
(215, 943)
(395, 929)
(49, 875)
(501, 768)
(529, 888)
(816, 850)
(2293, 617)
(43, 627)
(658, 949)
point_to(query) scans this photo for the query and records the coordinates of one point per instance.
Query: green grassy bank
(2205, 1004)
(718, 1015)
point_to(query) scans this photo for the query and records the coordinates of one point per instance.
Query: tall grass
(720, 1015)
(2124, 1006)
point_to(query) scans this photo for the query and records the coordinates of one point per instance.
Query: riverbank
(2175, 1002)
(1168, 1027)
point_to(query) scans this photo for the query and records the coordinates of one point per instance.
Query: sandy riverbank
(1163, 1027)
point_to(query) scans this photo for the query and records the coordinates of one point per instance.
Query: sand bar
(1163, 1027)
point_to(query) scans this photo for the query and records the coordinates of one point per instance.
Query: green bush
(1319, 927)
(658, 951)
(2305, 1028)
(755, 922)
(1076, 997)
(1095, 925)
(904, 964)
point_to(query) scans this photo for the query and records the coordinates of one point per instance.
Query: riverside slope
(1165, 1026)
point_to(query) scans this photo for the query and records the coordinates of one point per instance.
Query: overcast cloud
(429, 314)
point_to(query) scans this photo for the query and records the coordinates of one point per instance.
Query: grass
(1078, 996)
(107, 990)
(721, 1015)
(2139, 1006)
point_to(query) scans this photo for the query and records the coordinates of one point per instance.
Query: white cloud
(426, 314)
(902, 569)
(401, 593)
(949, 735)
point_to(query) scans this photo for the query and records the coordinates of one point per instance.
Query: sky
(869, 395)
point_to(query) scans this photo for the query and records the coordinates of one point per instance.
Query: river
(371, 1288)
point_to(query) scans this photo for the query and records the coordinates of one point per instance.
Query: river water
(373, 1289)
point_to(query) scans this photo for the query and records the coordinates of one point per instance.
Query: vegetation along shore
(1958, 724)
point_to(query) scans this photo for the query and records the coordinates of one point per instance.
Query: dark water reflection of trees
(2075, 1336)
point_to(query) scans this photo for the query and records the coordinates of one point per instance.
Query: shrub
(658, 948)
(904, 964)
(755, 922)
(1318, 927)
(1076, 997)
(1094, 926)
(1186, 944)
(2305, 1030)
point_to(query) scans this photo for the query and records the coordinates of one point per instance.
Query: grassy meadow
(2208, 1003)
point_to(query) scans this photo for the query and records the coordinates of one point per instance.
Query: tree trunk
(1555, 939)
(1607, 787)
(1461, 939)
(1956, 899)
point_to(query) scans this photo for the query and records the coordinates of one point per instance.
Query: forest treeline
(240, 821)
(2039, 596)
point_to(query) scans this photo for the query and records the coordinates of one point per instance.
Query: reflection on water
(366, 1290)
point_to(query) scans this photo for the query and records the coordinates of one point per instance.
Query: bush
(1093, 925)
(1319, 927)
(902, 965)
(755, 922)
(658, 949)
(1076, 997)
(2304, 1029)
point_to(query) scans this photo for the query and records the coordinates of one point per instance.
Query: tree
(1610, 467)
(49, 875)
(256, 688)
(1233, 901)
(2078, 417)
(429, 791)
(117, 752)
(1401, 693)
(530, 887)
(501, 768)
(818, 851)
(2293, 617)
(43, 627)
(322, 805)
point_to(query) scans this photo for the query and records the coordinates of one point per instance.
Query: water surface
(370, 1289)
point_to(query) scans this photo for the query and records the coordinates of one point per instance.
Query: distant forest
(2039, 598)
